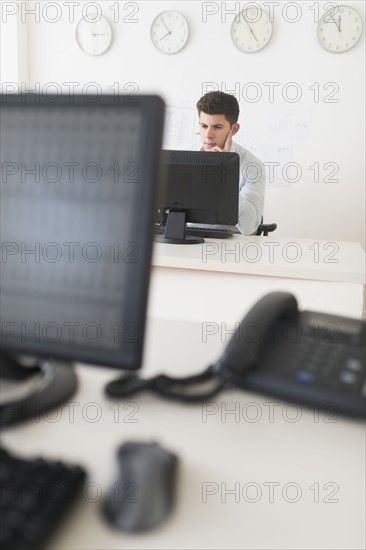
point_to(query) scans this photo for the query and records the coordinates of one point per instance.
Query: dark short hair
(219, 103)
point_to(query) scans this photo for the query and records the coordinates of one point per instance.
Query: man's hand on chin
(227, 144)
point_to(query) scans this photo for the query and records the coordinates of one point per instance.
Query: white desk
(218, 281)
(314, 462)
(268, 256)
(314, 465)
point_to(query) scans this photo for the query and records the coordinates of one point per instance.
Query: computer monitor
(79, 192)
(202, 187)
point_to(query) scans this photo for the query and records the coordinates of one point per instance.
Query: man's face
(214, 130)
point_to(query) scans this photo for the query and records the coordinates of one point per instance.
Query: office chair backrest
(265, 228)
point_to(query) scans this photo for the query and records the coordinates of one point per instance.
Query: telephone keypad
(336, 365)
(306, 357)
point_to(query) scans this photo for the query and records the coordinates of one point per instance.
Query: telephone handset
(244, 350)
(302, 356)
(308, 357)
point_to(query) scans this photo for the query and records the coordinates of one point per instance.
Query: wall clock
(251, 30)
(340, 29)
(169, 32)
(94, 38)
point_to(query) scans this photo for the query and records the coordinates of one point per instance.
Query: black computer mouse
(144, 493)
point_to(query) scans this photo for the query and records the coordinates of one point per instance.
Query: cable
(184, 389)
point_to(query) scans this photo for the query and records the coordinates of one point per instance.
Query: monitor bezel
(124, 356)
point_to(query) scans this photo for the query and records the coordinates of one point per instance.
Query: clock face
(340, 29)
(169, 32)
(94, 38)
(251, 30)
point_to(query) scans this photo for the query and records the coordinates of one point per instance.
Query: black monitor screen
(78, 196)
(202, 187)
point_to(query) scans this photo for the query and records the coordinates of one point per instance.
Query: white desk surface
(269, 256)
(193, 295)
(315, 464)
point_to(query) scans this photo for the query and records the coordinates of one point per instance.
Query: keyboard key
(35, 494)
(354, 364)
(305, 376)
(348, 377)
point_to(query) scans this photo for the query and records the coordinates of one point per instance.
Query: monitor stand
(175, 230)
(31, 391)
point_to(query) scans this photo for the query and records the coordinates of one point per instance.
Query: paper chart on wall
(179, 128)
(277, 161)
(275, 155)
(291, 124)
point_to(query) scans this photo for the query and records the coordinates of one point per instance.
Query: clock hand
(162, 20)
(251, 30)
(336, 22)
(165, 35)
(90, 29)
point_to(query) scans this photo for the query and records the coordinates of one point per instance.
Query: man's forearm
(250, 215)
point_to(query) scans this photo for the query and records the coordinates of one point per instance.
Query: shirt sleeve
(251, 193)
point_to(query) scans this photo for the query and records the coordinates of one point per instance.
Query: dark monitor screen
(78, 199)
(202, 187)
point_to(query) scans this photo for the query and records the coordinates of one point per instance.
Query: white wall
(305, 132)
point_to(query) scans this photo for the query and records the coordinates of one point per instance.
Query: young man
(218, 118)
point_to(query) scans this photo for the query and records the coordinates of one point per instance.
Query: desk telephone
(304, 357)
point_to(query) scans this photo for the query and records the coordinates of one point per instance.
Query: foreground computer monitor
(79, 193)
(202, 188)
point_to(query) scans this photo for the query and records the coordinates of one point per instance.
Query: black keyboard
(208, 232)
(35, 494)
